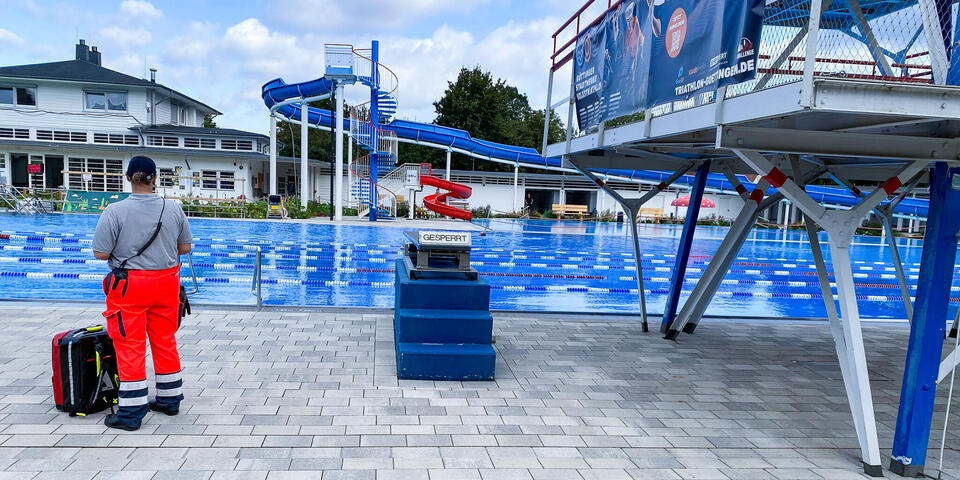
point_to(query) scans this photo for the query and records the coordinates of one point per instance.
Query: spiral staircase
(367, 189)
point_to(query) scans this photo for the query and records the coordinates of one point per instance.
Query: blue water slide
(277, 91)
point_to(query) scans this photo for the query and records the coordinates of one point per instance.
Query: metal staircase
(371, 137)
(12, 198)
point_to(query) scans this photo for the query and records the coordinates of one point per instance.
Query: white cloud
(269, 54)
(141, 9)
(225, 66)
(347, 15)
(125, 38)
(196, 43)
(8, 37)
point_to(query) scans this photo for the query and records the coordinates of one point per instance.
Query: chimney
(153, 75)
(83, 51)
(94, 56)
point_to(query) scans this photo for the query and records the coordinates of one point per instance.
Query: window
(19, 96)
(21, 133)
(95, 174)
(236, 144)
(226, 180)
(155, 141)
(217, 180)
(27, 96)
(166, 179)
(208, 143)
(35, 171)
(96, 101)
(178, 114)
(210, 179)
(106, 101)
(62, 136)
(117, 102)
(115, 139)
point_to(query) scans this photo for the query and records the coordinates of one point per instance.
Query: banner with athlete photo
(589, 71)
(645, 53)
(611, 63)
(706, 44)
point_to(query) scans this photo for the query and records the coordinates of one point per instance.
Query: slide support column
(925, 347)
(273, 154)
(338, 171)
(686, 242)
(350, 166)
(516, 184)
(305, 193)
(446, 173)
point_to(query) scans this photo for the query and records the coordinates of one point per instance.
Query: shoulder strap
(153, 237)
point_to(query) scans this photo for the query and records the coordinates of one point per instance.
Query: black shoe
(112, 421)
(166, 411)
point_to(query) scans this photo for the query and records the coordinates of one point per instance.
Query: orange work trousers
(145, 305)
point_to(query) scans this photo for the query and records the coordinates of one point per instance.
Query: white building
(76, 124)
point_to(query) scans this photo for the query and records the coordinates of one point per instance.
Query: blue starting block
(442, 324)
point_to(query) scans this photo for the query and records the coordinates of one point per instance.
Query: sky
(222, 51)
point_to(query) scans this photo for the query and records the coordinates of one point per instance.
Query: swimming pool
(533, 265)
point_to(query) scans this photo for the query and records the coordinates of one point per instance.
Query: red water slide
(437, 201)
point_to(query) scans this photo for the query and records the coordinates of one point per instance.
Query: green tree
(208, 122)
(489, 109)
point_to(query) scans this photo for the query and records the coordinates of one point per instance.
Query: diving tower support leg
(712, 277)
(898, 266)
(686, 242)
(924, 351)
(689, 317)
(305, 193)
(273, 155)
(886, 213)
(850, 381)
(841, 226)
(631, 207)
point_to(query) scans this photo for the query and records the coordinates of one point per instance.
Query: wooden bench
(561, 209)
(653, 213)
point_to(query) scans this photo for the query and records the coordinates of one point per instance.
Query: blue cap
(142, 164)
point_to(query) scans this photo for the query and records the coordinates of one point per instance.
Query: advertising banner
(706, 44)
(78, 201)
(645, 53)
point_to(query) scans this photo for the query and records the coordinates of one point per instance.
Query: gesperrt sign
(443, 239)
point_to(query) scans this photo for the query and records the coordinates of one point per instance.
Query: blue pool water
(531, 266)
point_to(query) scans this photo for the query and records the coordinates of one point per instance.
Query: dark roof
(81, 71)
(177, 129)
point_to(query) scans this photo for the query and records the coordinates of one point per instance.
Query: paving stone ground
(279, 395)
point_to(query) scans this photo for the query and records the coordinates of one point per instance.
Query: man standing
(143, 237)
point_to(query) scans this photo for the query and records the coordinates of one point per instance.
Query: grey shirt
(125, 226)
